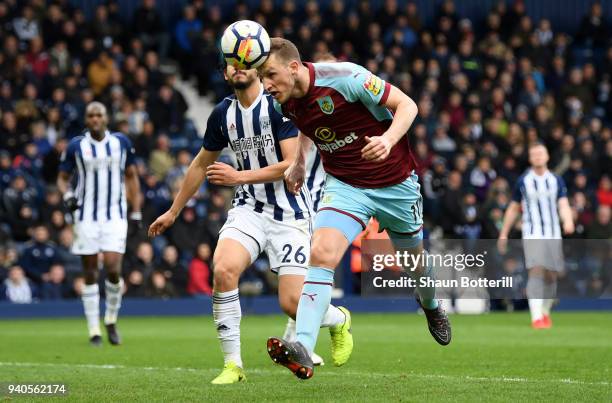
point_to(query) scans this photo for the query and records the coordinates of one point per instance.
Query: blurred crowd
(485, 90)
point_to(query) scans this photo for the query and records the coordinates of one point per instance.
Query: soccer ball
(245, 45)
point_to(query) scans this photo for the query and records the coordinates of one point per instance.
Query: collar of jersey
(533, 172)
(90, 137)
(255, 102)
(311, 74)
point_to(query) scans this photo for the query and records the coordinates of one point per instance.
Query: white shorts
(91, 237)
(546, 253)
(287, 243)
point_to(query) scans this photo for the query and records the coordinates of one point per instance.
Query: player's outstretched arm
(191, 183)
(224, 174)
(510, 216)
(404, 112)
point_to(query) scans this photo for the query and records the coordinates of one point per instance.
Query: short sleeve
(561, 187)
(285, 128)
(214, 139)
(68, 158)
(370, 89)
(130, 152)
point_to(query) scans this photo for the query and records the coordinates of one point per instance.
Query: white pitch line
(339, 373)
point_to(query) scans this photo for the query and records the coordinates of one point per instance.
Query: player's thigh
(327, 247)
(113, 236)
(344, 208)
(246, 227)
(543, 254)
(399, 208)
(289, 291)
(86, 240)
(230, 259)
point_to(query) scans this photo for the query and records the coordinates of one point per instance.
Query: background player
(266, 216)
(542, 198)
(106, 177)
(358, 122)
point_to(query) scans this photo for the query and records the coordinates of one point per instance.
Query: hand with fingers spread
(377, 149)
(220, 173)
(295, 176)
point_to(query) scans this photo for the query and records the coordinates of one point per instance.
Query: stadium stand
(486, 87)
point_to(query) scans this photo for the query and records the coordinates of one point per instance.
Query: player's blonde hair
(284, 50)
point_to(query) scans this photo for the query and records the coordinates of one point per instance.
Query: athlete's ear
(294, 66)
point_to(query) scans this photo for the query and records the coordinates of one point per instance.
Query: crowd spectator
(17, 288)
(39, 255)
(199, 272)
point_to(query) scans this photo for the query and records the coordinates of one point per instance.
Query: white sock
(290, 334)
(333, 317)
(91, 305)
(113, 301)
(535, 292)
(535, 307)
(227, 315)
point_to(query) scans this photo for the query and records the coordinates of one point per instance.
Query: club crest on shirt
(326, 104)
(373, 84)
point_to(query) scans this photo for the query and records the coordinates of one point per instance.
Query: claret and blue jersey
(100, 172)
(344, 104)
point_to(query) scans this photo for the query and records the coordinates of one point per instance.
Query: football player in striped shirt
(266, 216)
(106, 180)
(541, 197)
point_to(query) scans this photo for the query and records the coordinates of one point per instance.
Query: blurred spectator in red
(199, 272)
(604, 192)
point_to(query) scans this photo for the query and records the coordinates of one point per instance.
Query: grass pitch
(495, 357)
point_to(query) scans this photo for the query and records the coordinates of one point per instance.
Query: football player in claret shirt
(358, 123)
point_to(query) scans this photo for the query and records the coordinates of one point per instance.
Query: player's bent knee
(323, 254)
(225, 277)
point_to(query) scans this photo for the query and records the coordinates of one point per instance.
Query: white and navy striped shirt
(100, 168)
(254, 135)
(539, 196)
(315, 176)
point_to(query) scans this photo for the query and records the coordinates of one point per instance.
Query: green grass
(495, 357)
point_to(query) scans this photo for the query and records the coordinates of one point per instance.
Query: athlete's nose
(267, 85)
